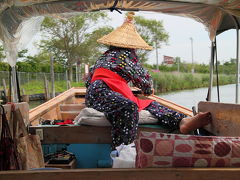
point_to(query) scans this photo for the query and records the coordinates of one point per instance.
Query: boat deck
(101, 135)
(126, 174)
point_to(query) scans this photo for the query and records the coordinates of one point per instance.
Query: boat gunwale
(52, 103)
(125, 174)
(45, 107)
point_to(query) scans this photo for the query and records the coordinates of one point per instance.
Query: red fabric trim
(118, 84)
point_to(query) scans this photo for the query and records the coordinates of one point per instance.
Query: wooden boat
(68, 105)
(217, 15)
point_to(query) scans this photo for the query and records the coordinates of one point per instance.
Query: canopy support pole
(209, 97)
(237, 59)
(14, 85)
(237, 66)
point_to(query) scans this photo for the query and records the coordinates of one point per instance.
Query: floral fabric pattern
(177, 150)
(125, 63)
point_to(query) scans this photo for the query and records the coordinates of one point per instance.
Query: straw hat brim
(125, 36)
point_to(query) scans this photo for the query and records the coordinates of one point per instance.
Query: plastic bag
(124, 156)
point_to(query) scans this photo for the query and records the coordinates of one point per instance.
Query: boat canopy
(21, 19)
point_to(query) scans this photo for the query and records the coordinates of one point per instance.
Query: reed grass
(163, 82)
(172, 81)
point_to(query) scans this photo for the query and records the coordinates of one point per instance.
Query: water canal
(189, 98)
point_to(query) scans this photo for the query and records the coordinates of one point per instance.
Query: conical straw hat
(125, 36)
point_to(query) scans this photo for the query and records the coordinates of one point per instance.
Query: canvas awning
(21, 19)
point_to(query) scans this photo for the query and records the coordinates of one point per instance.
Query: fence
(26, 77)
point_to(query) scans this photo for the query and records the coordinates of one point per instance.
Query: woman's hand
(152, 91)
(148, 94)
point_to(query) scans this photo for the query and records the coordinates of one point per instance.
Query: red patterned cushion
(176, 150)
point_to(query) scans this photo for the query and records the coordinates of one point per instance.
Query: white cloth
(90, 116)
(126, 155)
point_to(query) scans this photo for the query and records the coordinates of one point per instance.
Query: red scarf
(118, 84)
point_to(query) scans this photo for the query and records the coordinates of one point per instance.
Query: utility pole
(191, 39)
(157, 68)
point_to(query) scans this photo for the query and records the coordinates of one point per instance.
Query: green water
(33, 104)
(188, 98)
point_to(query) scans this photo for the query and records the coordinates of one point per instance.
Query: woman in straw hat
(108, 92)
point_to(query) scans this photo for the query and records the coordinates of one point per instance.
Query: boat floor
(126, 174)
(101, 135)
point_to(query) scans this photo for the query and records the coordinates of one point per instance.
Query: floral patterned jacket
(125, 63)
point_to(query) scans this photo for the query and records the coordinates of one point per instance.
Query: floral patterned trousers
(123, 114)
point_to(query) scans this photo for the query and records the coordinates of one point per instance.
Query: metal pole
(14, 85)
(237, 59)
(211, 71)
(157, 68)
(52, 75)
(192, 53)
(237, 66)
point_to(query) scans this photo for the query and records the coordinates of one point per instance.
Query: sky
(180, 30)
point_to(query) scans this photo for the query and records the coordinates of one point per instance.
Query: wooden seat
(72, 107)
(70, 111)
(69, 114)
(226, 118)
(80, 134)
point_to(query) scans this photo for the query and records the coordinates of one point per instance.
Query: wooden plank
(74, 134)
(69, 114)
(66, 97)
(126, 174)
(79, 100)
(46, 88)
(80, 134)
(172, 105)
(71, 165)
(23, 107)
(72, 107)
(226, 118)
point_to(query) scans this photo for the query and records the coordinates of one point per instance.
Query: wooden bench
(70, 111)
(80, 134)
(72, 107)
(226, 118)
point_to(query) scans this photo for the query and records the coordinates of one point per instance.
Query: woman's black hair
(115, 47)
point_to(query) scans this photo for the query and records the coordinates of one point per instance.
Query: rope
(18, 87)
(10, 84)
(114, 7)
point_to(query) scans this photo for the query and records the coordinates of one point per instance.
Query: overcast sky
(180, 30)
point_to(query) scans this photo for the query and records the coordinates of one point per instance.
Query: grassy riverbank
(166, 82)
(36, 87)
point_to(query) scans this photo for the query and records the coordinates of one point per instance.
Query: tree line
(33, 64)
(228, 67)
(73, 41)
